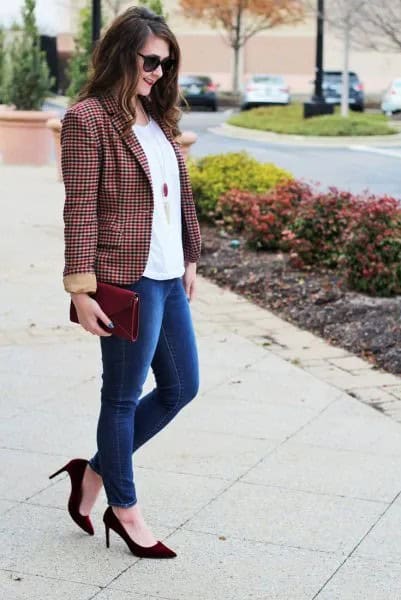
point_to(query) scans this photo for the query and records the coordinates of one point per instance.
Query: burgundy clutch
(121, 305)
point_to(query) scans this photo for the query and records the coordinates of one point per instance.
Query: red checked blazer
(108, 206)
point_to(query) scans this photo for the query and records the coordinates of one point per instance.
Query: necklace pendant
(165, 189)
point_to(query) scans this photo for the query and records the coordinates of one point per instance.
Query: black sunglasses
(152, 61)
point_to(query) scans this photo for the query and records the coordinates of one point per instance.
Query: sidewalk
(273, 484)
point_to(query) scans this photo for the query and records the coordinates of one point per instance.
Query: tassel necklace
(164, 188)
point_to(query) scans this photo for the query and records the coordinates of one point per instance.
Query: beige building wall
(286, 50)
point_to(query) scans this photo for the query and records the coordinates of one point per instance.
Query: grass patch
(289, 119)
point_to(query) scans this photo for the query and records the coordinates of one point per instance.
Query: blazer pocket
(109, 234)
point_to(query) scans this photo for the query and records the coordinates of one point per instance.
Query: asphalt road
(377, 169)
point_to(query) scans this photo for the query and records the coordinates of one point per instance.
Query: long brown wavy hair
(114, 66)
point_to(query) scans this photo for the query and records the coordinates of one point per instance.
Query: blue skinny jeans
(166, 342)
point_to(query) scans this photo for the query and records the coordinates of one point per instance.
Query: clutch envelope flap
(113, 299)
(120, 305)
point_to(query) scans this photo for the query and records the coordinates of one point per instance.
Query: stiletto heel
(57, 472)
(158, 550)
(107, 536)
(76, 469)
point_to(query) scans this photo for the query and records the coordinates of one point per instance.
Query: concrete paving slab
(56, 494)
(352, 380)
(350, 425)
(109, 594)
(374, 395)
(206, 329)
(81, 400)
(19, 585)
(287, 517)
(228, 351)
(23, 474)
(395, 390)
(5, 505)
(208, 296)
(318, 350)
(394, 411)
(83, 362)
(361, 579)
(75, 436)
(167, 498)
(275, 380)
(202, 452)
(209, 567)
(350, 363)
(383, 542)
(42, 541)
(328, 471)
(231, 416)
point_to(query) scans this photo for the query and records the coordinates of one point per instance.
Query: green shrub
(289, 120)
(372, 247)
(155, 5)
(80, 62)
(216, 174)
(27, 79)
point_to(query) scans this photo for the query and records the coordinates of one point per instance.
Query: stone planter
(55, 127)
(186, 139)
(24, 138)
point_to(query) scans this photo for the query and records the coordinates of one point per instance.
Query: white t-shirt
(166, 256)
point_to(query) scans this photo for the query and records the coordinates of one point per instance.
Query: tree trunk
(236, 47)
(345, 77)
(236, 69)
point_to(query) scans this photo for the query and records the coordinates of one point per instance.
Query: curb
(255, 135)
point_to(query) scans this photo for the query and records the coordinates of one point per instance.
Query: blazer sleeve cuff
(79, 283)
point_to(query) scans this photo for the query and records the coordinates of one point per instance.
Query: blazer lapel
(119, 121)
(166, 132)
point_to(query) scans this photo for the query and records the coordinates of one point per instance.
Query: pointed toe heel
(158, 550)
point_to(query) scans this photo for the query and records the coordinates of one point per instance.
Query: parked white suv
(263, 89)
(391, 101)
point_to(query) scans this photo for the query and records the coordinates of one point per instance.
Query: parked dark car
(332, 85)
(199, 90)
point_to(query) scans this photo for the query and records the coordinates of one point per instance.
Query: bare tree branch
(381, 25)
(242, 19)
(114, 6)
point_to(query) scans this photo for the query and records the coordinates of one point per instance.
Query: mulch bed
(317, 300)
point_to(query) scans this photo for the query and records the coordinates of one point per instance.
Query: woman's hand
(189, 279)
(89, 311)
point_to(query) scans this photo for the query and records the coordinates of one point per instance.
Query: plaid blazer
(108, 208)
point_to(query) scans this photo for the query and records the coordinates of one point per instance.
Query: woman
(130, 221)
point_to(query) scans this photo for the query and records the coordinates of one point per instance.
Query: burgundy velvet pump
(76, 469)
(158, 550)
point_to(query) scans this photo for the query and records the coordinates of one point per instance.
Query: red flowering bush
(316, 232)
(372, 247)
(361, 235)
(261, 217)
(232, 208)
